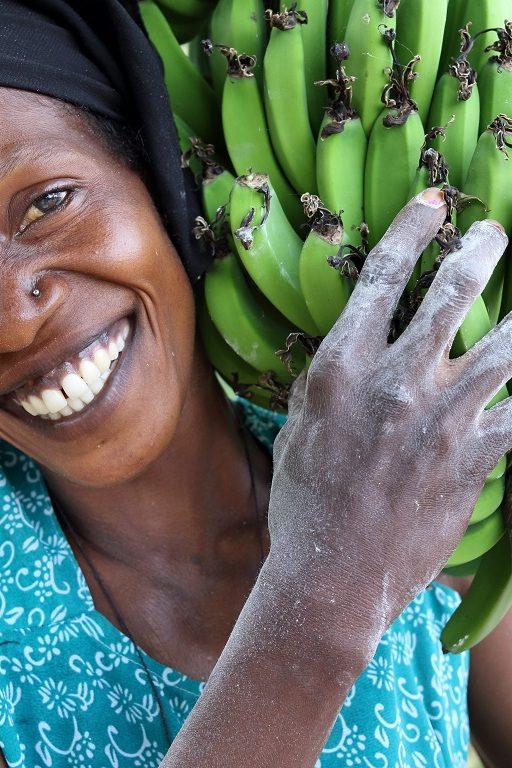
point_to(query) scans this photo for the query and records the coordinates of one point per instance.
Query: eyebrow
(22, 155)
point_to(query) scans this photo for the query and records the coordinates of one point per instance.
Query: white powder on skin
(376, 473)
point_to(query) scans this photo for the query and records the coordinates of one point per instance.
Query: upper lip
(50, 354)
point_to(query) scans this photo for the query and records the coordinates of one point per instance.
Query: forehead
(37, 127)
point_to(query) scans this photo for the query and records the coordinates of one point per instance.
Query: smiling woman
(135, 558)
(105, 251)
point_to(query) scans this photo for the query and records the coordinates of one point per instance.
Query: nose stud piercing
(36, 292)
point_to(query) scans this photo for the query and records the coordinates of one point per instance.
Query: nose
(27, 302)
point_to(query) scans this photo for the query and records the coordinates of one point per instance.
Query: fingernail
(497, 225)
(432, 197)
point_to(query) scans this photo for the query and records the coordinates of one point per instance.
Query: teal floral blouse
(73, 691)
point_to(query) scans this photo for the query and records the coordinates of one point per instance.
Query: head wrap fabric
(95, 54)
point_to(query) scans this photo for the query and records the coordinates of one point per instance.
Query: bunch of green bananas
(337, 112)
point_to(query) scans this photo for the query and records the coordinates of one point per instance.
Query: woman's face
(96, 311)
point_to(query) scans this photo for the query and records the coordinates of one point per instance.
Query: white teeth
(76, 405)
(77, 389)
(54, 400)
(88, 371)
(29, 408)
(87, 396)
(102, 360)
(97, 386)
(73, 385)
(113, 350)
(38, 405)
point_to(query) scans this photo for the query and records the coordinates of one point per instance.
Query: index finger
(388, 267)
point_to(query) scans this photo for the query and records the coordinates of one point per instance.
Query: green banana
(455, 20)
(460, 141)
(286, 100)
(185, 28)
(486, 602)
(249, 31)
(220, 34)
(495, 80)
(466, 569)
(391, 163)
(241, 321)
(248, 27)
(191, 9)
(246, 132)
(325, 290)
(186, 138)
(493, 291)
(340, 162)
(197, 55)
(506, 303)
(215, 190)
(268, 247)
(490, 179)
(489, 500)
(478, 538)
(238, 24)
(394, 146)
(337, 20)
(484, 14)
(191, 96)
(419, 30)
(370, 56)
(476, 324)
(499, 469)
(185, 132)
(236, 372)
(314, 38)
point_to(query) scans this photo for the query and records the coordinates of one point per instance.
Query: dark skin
(162, 439)
(207, 530)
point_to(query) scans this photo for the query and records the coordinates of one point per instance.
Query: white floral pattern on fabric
(73, 691)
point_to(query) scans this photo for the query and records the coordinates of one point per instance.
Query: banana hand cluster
(325, 117)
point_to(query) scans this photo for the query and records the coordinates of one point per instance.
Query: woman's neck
(179, 547)
(191, 505)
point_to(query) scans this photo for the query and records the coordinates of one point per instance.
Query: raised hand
(388, 445)
(376, 473)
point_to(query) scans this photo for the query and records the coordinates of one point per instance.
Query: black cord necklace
(75, 536)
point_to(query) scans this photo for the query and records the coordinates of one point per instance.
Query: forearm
(277, 688)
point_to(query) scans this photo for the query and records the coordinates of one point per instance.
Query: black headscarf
(95, 54)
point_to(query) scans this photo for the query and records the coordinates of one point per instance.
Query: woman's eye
(47, 203)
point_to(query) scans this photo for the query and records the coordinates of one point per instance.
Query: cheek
(122, 254)
(145, 412)
(169, 303)
(134, 251)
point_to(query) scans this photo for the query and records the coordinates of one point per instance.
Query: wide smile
(75, 383)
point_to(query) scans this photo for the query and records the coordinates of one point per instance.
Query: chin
(105, 413)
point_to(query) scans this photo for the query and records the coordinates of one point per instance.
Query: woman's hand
(376, 473)
(387, 446)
